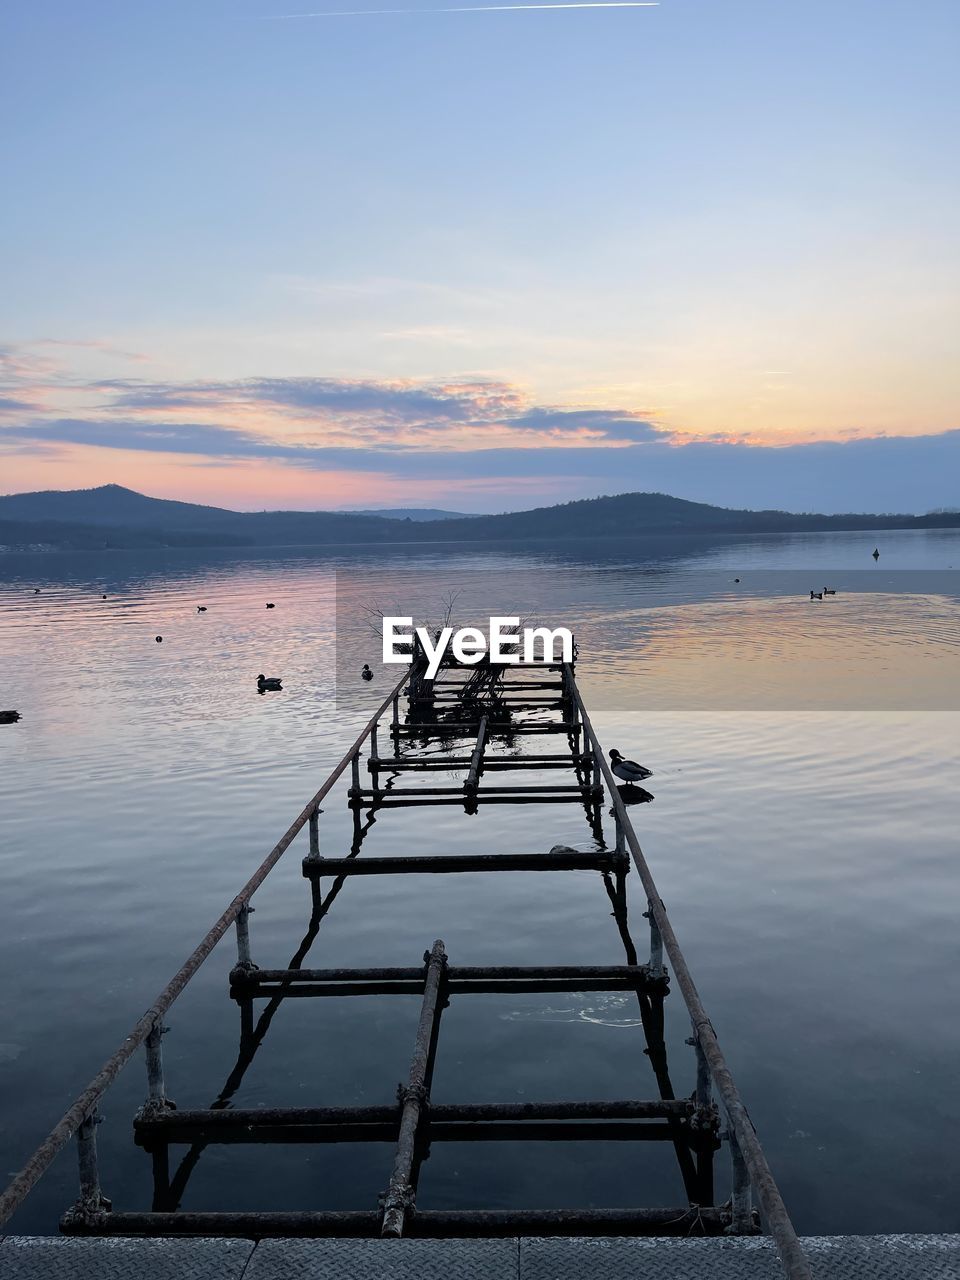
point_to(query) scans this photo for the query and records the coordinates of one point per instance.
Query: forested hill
(112, 516)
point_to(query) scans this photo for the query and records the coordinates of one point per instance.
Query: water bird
(628, 770)
(816, 595)
(271, 683)
(159, 639)
(271, 606)
(829, 591)
(9, 717)
(201, 608)
(876, 553)
(366, 673)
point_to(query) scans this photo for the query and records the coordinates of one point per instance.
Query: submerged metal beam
(459, 862)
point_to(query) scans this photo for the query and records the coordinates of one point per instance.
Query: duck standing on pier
(628, 770)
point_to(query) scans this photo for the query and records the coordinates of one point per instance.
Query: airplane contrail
(473, 8)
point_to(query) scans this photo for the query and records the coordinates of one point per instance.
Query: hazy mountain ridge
(114, 517)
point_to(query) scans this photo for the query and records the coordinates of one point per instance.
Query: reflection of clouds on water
(604, 1010)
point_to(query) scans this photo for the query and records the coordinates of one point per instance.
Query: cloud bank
(479, 437)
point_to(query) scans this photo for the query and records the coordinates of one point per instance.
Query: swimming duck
(829, 591)
(201, 608)
(268, 682)
(9, 717)
(366, 673)
(628, 770)
(271, 606)
(816, 595)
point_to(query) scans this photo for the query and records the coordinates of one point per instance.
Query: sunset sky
(482, 260)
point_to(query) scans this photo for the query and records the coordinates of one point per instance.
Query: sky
(482, 260)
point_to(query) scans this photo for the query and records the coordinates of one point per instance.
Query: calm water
(803, 836)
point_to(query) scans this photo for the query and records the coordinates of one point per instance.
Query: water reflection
(808, 859)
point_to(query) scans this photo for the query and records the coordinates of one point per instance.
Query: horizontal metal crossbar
(396, 764)
(262, 1117)
(420, 1223)
(303, 983)
(461, 862)
(452, 1131)
(543, 789)
(494, 729)
(630, 1121)
(397, 800)
(458, 973)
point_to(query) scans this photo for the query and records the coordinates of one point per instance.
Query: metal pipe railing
(85, 1105)
(742, 1135)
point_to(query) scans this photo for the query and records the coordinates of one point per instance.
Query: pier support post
(374, 755)
(92, 1203)
(354, 792)
(655, 965)
(741, 1200)
(156, 1086)
(244, 959)
(314, 831)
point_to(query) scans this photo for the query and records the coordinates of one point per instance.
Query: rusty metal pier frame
(694, 1125)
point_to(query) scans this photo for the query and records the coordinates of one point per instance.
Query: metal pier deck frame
(697, 1126)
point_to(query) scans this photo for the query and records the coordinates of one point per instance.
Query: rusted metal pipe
(773, 1210)
(398, 1198)
(83, 1106)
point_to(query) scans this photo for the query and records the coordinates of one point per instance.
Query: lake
(803, 836)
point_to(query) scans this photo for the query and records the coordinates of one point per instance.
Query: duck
(829, 591)
(268, 682)
(628, 770)
(271, 606)
(366, 673)
(816, 595)
(9, 717)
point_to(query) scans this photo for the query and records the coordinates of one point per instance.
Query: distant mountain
(112, 516)
(410, 513)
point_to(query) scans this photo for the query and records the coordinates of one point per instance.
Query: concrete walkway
(752, 1258)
